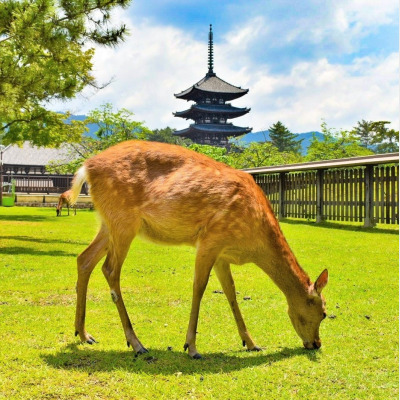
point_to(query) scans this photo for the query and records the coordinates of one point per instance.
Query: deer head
(307, 312)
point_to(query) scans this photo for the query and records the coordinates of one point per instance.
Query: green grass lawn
(41, 359)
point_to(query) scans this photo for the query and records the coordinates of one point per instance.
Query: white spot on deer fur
(114, 296)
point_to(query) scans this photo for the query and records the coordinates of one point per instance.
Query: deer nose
(316, 344)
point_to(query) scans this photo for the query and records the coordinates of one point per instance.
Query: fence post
(320, 195)
(369, 197)
(281, 212)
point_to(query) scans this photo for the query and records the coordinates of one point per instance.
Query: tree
(260, 155)
(44, 56)
(364, 132)
(166, 135)
(216, 153)
(116, 127)
(283, 139)
(335, 145)
(385, 139)
(113, 128)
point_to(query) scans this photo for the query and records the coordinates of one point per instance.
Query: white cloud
(157, 61)
(370, 12)
(340, 94)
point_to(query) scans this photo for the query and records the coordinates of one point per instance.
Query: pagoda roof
(225, 129)
(210, 84)
(233, 112)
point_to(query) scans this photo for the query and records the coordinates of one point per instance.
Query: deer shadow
(34, 252)
(33, 239)
(165, 362)
(24, 218)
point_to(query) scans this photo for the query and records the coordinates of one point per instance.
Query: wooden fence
(361, 189)
(47, 184)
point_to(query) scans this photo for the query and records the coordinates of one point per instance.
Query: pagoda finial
(210, 52)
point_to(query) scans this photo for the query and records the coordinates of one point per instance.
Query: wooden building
(26, 166)
(212, 109)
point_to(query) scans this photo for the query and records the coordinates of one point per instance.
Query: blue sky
(302, 61)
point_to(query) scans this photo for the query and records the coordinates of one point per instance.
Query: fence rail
(361, 189)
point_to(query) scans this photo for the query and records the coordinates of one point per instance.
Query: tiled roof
(211, 83)
(216, 108)
(225, 129)
(32, 155)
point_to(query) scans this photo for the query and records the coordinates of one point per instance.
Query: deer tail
(79, 179)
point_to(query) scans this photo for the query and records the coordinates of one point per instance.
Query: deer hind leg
(223, 272)
(203, 266)
(87, 261)
(112, 272)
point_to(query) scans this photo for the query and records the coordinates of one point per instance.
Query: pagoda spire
(210, 53)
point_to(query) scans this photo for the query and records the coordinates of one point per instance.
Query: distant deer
(172, 195)
(64, 200)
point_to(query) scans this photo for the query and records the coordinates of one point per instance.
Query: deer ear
(321, 282)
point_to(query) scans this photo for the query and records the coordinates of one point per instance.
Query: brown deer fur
(172, 195)
(64, 200)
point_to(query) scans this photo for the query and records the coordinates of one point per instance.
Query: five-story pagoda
(211, 110)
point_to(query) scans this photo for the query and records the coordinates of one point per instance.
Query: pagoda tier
(198, 112)
(208, 87)
(213, 134)
(210, 111)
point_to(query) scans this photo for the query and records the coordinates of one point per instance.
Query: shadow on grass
(47, 240)
(34, 252)
(25, 218)
(341, 226)
(164, 362)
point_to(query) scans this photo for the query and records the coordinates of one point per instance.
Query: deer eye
(324, 316)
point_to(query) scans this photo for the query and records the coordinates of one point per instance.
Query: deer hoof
(255, 348)
(143, 350)
(197, 356)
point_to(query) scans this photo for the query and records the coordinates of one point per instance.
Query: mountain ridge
(263, 136)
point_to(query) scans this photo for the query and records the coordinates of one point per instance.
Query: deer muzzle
(316, 344)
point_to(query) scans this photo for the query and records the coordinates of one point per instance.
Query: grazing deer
(65, 200)
(172, 195)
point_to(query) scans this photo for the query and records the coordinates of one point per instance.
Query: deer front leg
(204, 263)
(87, 261)
(223, 272)
(112, 271)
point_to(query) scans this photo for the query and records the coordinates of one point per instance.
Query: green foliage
(114, 127)
(253, 155)
(377, 136)
(385, 139)
(40, 358)
(364, 132)
(283, 139)
(335, 145)
(45, 56)
(261, 154)
(166, 135)
(217, 153)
